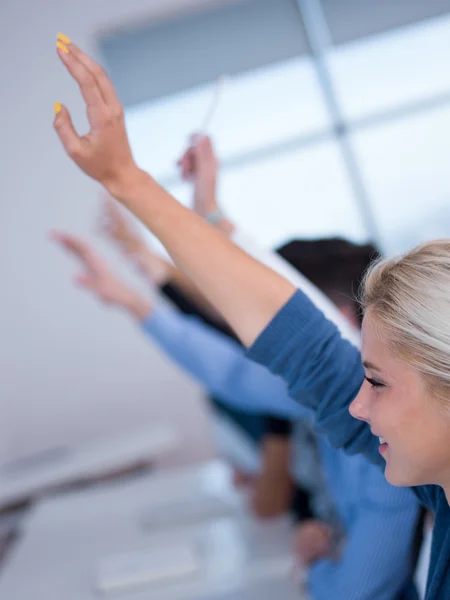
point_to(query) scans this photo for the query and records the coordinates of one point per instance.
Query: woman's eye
(374, 383)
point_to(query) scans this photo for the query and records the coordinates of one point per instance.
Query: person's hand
(273, 487)
(104, 152)
(99, 279)
(312, 541)
(117, 227)
(199, 165)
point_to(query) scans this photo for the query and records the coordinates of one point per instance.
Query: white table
(66, 538)
(71, 465)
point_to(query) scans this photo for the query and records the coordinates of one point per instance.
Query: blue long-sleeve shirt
(378, 519)
(324, 373)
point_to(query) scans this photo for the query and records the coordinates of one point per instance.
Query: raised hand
(117, 227)
(104, 152)
(245, 292)
(99, 279)
(199, 165)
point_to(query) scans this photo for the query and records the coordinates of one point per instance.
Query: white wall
(69, 370)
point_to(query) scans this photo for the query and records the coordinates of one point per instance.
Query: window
(392, 70)
(405, 166)
(293, 165)
(255, 110)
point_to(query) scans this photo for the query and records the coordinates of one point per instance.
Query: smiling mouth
(383, 445)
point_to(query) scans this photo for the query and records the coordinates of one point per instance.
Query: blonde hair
(409, 297)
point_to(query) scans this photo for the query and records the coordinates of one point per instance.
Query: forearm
(185, 286)
(225, 226)
(273, 488)
(246, 293)
(157, 270)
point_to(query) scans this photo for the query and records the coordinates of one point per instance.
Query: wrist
(137, 306)
(158, 270)
(148, 201)
(204, 208)
(215, 217)
(205, 200)
(128, 185)
(225, 226)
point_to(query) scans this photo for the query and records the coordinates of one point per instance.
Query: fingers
(199, 155)
(102, 80)
(108, 218)
(70, 242)
(186, 164)
(63, 125)
(86, 80)
(187, 161)
(63, 239)
(80, 249)
(204, 151)
(116, 225)
(104, 219)
(84, 280)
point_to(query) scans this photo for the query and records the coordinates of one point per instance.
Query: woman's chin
(399, 476)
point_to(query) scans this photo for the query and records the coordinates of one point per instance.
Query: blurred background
(333, 119)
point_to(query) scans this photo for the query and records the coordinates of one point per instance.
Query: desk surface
(67, 465)
(66, 538)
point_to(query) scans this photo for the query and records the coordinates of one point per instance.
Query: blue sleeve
(220, 364)
(323, 371)
(377, 558)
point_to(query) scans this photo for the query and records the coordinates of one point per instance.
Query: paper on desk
(148, 567)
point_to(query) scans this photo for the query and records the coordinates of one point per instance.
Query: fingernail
(57, 107)
(62, 47)
(63, 38)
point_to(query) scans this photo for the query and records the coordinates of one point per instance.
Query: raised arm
(245, 292)
(248, 294)
(200, 166)
(98, 278)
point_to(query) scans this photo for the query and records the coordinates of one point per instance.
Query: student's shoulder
(432, 497)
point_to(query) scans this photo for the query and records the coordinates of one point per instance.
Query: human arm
(248, 294)
(212, 358)
(98, 278)
(219, 363)
(273, 487)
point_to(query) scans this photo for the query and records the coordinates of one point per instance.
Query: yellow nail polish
(62, 47)
(57, 107)
(63, 38)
